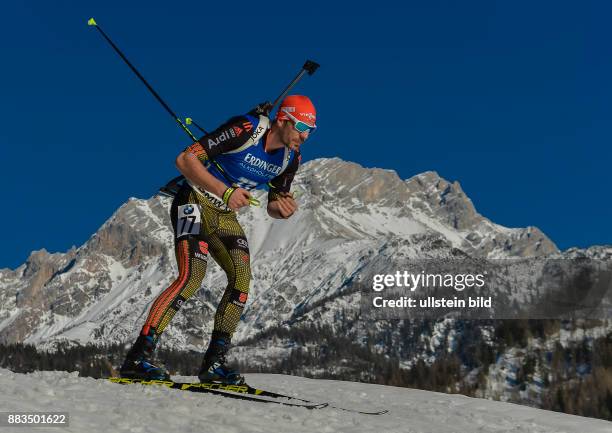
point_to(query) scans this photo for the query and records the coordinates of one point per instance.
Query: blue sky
(512, 99)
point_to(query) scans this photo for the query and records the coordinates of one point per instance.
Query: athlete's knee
(192, 259)
(239, 249)
(239, 297)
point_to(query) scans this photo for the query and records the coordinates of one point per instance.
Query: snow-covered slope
(99, 406)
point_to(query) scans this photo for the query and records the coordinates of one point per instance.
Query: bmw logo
(188, 210)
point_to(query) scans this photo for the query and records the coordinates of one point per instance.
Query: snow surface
(100, 406)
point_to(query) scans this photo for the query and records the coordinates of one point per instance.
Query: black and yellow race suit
(203, 224)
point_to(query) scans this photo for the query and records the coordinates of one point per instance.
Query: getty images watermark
(411, 282)
(491, 289)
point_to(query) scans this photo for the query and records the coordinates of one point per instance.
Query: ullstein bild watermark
(532, 288)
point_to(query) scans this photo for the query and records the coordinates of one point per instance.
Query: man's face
(290, 136)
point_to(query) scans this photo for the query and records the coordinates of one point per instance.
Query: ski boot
(214, 368)
(137, 365)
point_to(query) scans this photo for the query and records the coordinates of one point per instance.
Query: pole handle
(309, 67)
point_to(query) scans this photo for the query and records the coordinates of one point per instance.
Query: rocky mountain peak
(351, 218)
(445, 200)
(348, 182)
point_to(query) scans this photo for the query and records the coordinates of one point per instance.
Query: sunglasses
(299, 125)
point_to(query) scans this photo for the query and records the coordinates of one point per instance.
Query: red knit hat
(300, 107)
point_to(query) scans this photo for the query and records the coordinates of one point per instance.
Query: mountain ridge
(347, 213)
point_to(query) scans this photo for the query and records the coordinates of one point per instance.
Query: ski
(362, 412)
(262, 392)
(243, 392)
(229, 391)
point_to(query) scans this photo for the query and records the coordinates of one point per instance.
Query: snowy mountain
(350, 218)
(303, 314)
(97, 406)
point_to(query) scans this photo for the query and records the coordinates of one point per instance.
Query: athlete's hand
(286, 204)
(239, 198)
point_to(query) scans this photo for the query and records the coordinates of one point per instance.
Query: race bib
(189, 220)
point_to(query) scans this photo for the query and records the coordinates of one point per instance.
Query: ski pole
(93, 23)
(309, 67)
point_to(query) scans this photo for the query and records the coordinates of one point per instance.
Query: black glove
(263, 109)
